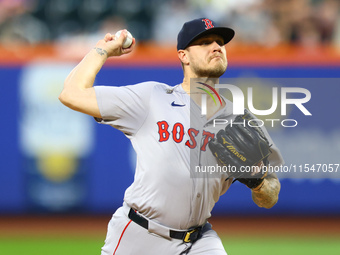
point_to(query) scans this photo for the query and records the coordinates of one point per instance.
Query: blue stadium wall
(104, 170)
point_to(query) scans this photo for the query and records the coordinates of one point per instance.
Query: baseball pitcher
(167, 207)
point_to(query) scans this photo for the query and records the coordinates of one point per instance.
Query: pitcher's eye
(210, 41)
(220, 42)
(206, 42)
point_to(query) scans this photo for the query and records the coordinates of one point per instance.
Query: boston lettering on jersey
(177, 134)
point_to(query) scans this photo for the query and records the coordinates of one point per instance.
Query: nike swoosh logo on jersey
(179, 105)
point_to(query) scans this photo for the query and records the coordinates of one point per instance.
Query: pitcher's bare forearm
(84, 74)
(267, 194)
(78, 93)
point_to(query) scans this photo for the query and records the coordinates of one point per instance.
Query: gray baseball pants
(125, 237)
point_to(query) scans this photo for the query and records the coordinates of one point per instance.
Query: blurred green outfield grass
(233, 245)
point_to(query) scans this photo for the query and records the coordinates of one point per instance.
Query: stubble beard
(213, 72)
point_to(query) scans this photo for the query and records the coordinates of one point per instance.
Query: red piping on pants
(120, 238)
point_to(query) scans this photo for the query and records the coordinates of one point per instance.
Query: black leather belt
(188, 236)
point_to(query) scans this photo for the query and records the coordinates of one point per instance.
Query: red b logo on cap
(208, 23)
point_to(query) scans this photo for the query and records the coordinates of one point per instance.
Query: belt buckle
(188, 234)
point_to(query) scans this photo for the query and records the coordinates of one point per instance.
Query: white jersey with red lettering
(171, 188)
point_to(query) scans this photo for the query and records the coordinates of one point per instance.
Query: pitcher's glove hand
(242, 145)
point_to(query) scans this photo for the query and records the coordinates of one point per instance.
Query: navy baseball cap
(196, 28)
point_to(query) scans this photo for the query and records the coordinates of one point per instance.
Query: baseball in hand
(128, 41)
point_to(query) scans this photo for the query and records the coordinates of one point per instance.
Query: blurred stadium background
(62, 175)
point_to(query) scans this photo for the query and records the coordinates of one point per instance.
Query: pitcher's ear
(183, 56)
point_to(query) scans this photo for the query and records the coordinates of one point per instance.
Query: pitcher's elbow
(62, 97)
(65, 98)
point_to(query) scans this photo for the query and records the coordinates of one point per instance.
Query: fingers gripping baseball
(108, 37)
(114, 46)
